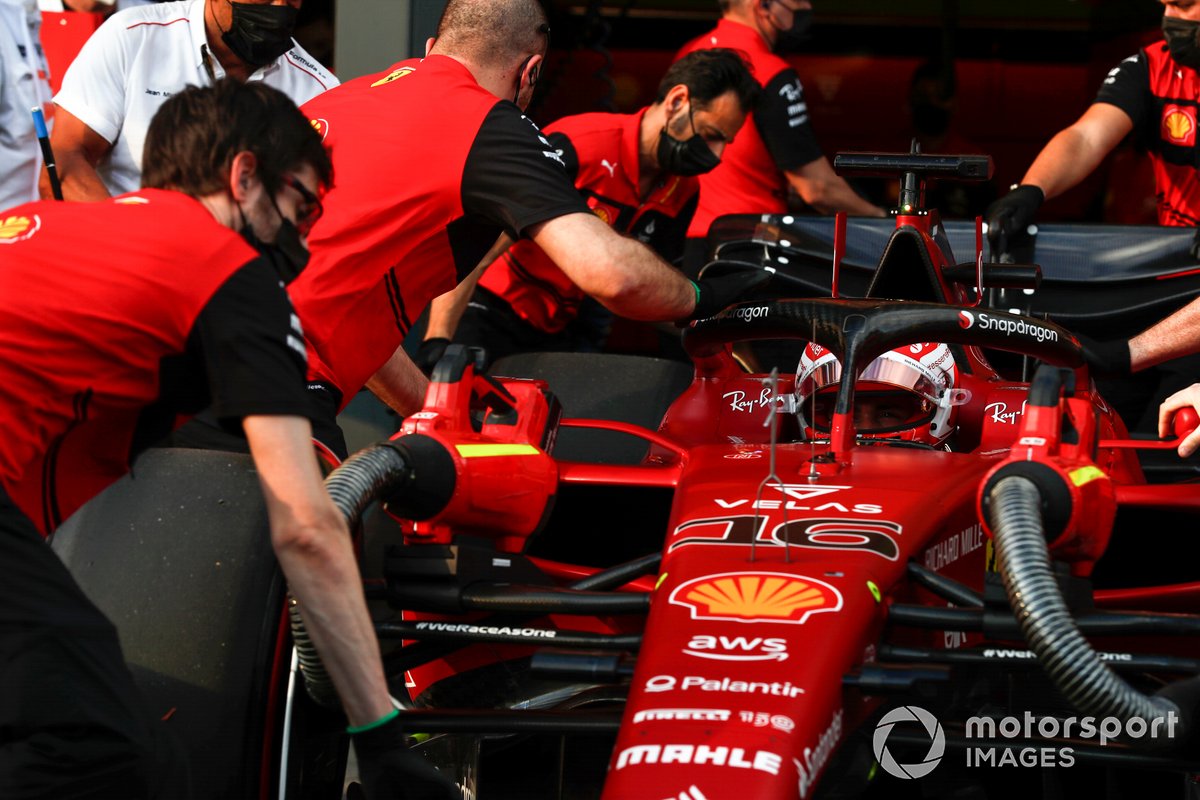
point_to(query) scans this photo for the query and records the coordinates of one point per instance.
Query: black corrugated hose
(1070, 661)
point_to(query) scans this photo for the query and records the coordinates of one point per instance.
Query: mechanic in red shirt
(115, 319)
(637, 172)
(1155, 95)
(779, 151)
(434, 159)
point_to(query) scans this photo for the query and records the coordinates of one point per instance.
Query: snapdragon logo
(750, 313)
(937, 742)
(1009, 327)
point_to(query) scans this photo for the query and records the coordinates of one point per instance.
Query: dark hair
(708, 74)
(195, 135)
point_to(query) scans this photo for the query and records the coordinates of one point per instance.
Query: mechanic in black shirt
(117, 318)
(1154, 95)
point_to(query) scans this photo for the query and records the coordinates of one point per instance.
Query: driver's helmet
(908, 393)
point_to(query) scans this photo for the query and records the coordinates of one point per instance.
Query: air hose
(1014, 512)
(416, 476)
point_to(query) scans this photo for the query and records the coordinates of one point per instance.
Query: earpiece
(533, 75)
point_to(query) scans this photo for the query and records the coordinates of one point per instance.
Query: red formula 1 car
(850, 581)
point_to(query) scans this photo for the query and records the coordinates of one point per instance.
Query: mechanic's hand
(1185, 398)
(390, 771)
(1108, 359)
(1010, 215)
(430, 353)
(715, 293)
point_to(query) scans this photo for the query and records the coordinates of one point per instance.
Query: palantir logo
(937, 745)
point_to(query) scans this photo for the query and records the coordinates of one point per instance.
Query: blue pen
(43, 137)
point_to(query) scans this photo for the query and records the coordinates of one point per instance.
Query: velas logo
(1179, 124)
(17, 229)
(756, 597)
(928, 722)
(965, 319)
(394, 75)
(321, 126)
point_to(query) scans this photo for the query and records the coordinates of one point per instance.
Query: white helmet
(908, 393)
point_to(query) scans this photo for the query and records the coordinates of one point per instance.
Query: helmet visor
(886, 411)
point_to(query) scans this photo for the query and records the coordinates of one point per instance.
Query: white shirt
(23, 85)
(141, 56)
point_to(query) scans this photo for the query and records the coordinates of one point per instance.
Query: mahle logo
(937, 742)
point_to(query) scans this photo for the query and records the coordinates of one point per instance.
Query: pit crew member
(117, 317)
(141, 56)
(1155, 95)
(778, 151)
(434, 159)
(637, 172)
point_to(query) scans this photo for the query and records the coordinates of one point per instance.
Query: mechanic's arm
(1076, 151)
(313, 546)
(399, 384)
(77, 151)
(446, 310)
(1177, 335)
(620, 272)
(827, 192)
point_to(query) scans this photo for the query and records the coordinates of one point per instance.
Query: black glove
(1106, 359)
(714, 294)
(1194, 250)
(430, 353)
(389, 771)
(1011, 214)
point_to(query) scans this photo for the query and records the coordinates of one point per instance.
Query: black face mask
(260, 34)
(1182, 40)
(793, 39)
(287, 254)
(687, 157)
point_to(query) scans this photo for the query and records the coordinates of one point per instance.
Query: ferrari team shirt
(1161, 98)
(105, 341)
(749, 179)
(141, 56)
(429, 168)
(601, 155)
(23, 85)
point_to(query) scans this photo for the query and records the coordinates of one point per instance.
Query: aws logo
(1179, 124)
(17, 229)
(756, 597)
(321, 126)
(394, 75)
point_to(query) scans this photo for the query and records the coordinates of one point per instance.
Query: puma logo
(612, 168)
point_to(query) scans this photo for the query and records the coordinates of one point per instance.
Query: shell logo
(756, 597)
(1179, 125)
(321, 126)
(18, 229)
(394, 75)
(603, 214)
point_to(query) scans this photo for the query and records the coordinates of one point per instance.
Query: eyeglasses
(313, 207)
